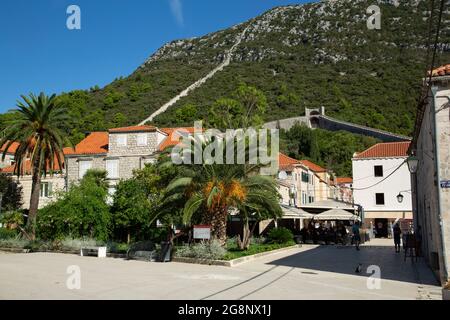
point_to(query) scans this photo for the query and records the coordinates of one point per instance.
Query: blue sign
(445, 184)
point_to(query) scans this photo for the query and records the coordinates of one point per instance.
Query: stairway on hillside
(200, 82)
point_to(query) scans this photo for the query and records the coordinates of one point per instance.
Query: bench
(99, 252)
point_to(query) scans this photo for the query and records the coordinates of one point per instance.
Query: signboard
(202, 232)
(445, 184)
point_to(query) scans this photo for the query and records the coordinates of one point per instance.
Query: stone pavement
(310, 273)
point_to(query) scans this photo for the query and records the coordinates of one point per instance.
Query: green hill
(318, 54)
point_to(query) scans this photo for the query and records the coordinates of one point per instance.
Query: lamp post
(413, 166)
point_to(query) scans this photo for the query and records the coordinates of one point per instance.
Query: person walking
(356, 235)
(397, 235)
(418, 243)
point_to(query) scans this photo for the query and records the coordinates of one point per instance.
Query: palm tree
(216, 190)
(38, 128)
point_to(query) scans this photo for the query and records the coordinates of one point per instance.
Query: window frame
(120, 142)
(377, 174)
(376, 199)
(139, 136)
(46, 190)
(80, 162)
(117, 163)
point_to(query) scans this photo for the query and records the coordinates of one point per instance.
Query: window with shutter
(112, 167)
(122, 140)
(84, 167)
(142, 139)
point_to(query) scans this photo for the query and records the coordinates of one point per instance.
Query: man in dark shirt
(397, 236)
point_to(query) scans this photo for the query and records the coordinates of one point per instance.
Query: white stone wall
(364, 177)
(58, 185)
(7, 162)
(431, 196)
(132, 147)
(73, 166)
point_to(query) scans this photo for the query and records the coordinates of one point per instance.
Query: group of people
(324, 233)
(410, 239)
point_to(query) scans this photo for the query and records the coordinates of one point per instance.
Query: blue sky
(39, 53)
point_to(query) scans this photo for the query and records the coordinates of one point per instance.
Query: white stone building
(119, 151)
(380, 174)
(431, 182)
(50, 184)
(9, 155)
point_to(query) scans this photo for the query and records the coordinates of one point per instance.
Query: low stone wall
(232, 263)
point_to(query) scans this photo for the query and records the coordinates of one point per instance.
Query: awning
(295, 213)
(337, 214)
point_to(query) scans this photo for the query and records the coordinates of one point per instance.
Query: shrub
(13, 243)
(115, 247)
(203, 250)
(81, 212)
(6, 234)
(280, 235)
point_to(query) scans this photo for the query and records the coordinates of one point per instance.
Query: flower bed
(235, 253)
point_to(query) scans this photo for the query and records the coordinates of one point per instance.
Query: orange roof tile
(386, 150)
(173, 136)
(133, 129)
(26, 170)
(286, 163)
(11, 149)
(311, 165)
(94, 143)
(441, 71)
(344, 180)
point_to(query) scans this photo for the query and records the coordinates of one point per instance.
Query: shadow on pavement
(345, 260)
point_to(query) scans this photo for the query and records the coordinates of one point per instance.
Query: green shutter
(50, 189)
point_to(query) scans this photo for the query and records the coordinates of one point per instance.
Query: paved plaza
(310, 272)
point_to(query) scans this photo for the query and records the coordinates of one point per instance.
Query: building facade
(50, 184)
(9, 155)
(119, 152)
(431, 182)
(380, 174)
(302, 182)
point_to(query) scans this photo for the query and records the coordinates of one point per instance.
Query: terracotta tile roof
(173, 136)
(134, 129)
(94, 143)
(314, 167)
(344, 180)
(385, 150)
(26, 170)
(12, 149)
(287, 163)
(441, 71)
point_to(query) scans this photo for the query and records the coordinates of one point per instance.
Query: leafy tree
(186, 114)
(80, 212)
(134, 200)
(120, 120)
(11, 193)
(38, 128)
(209, 192)
(245, 109)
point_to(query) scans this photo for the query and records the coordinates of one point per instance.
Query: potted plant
(446, 292)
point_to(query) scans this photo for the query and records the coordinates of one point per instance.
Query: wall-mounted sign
(445, 184)
(202, 232)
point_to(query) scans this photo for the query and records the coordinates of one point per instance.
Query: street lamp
(413, 164)
(401, 197)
